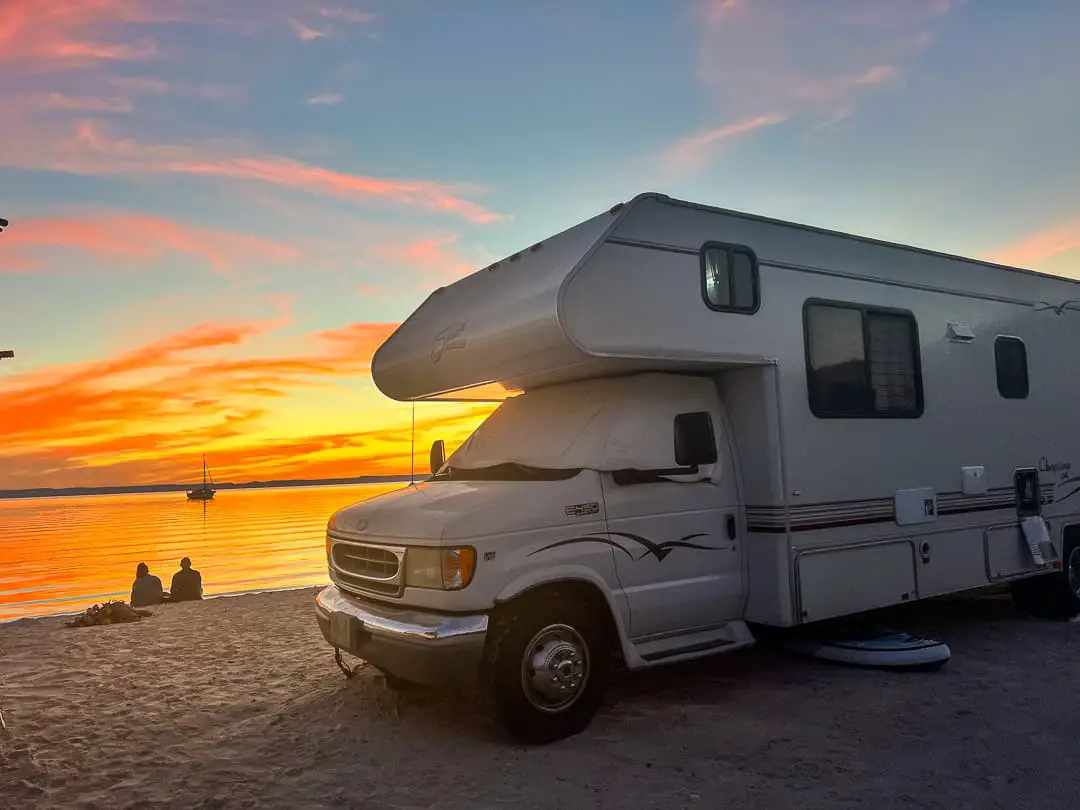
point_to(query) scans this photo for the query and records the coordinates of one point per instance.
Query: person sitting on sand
(146, 590)
(186, 583)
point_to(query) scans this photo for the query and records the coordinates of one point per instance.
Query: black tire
(561, 632)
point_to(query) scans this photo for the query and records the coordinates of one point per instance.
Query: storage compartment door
(838, 581)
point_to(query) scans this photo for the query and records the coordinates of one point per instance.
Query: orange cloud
(147, 414)
(1039, 246)
(92, 151)
(50, 35)
(134, 238)
(315, 179)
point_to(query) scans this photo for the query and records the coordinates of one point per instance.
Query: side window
(729, 278)
(862, 362)
(1010, 359)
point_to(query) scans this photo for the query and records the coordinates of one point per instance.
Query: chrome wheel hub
(555, 668)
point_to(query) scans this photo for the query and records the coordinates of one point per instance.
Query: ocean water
(61, 555)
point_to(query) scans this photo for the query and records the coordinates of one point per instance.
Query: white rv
(723, 420)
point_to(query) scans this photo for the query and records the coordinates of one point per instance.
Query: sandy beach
(236, 702)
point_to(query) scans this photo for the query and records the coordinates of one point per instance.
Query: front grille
(366, 561)
(361, 567)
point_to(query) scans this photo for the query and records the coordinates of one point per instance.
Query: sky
(219, 210)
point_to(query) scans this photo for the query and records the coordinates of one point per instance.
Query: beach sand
(236, 702)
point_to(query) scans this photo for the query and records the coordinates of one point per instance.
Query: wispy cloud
(766, 61)
(326, 99)
(132, 239)
(1043, 245)
(771, 57)
(307, 33)
(696, 150)
(91, 150)
(38, 35)
(433, 255)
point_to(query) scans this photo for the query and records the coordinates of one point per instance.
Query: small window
(1010, 358)
(729, 278)
(862, 362)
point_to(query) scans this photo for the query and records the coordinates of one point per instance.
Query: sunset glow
(219, 211)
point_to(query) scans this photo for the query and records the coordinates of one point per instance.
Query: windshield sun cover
(611, 424)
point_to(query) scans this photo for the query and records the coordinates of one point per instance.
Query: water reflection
(63, 554)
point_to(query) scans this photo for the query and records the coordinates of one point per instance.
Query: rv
(713, 422)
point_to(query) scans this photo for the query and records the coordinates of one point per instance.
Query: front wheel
(548, 670)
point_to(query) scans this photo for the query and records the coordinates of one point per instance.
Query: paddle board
(887, 650)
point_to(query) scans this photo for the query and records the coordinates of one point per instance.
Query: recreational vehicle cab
(718, 421)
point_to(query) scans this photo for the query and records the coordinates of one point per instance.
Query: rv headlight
(448, 569)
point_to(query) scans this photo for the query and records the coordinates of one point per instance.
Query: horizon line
(134, 489)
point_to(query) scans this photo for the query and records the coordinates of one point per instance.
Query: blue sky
(299, 175)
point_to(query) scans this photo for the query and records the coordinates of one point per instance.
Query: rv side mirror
(437, 456)
(695, 442)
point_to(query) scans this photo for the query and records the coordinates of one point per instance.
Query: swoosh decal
(658, 550)
(584, 539)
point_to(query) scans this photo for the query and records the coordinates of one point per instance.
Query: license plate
(341, 625)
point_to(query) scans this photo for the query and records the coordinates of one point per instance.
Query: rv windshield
(606, 424)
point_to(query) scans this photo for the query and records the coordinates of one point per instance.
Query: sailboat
(203, 493)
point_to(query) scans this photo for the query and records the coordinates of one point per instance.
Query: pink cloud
(770, 57)
(1039, 246)
(767, 61)
(308, 34)
(695, 151)
(51, 34)
(133, 239)
(92, 151)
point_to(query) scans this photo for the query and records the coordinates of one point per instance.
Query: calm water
(61, 555)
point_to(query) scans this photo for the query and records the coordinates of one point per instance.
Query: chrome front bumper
(429, 648)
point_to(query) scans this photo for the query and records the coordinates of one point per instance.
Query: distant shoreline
(46, 492)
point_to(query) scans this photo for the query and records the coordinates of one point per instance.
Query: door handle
(731, 527)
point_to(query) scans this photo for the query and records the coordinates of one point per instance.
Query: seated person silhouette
(146, 590)
(186, 583)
